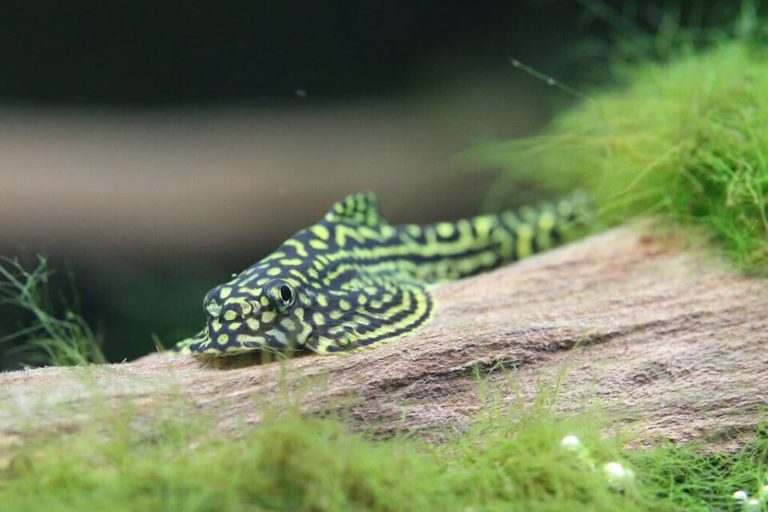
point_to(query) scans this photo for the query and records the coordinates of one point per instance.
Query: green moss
(687, 139)
(693, 478)
(507, 461)
(511, 459)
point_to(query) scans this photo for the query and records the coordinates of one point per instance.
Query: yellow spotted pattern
(352, 280)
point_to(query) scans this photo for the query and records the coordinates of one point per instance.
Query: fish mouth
(236, 337)
(223, 344)
(226, 337)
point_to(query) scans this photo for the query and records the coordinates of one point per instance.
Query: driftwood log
(664, 337)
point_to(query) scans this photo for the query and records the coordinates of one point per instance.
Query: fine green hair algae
(686, 139)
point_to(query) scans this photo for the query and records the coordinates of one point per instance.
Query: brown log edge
(664, 338)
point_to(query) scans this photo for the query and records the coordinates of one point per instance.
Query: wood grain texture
(666, 339)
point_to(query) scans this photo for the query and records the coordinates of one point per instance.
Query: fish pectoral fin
(368, 325)
(188, 345)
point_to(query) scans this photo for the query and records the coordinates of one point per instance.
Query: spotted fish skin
(352, 280)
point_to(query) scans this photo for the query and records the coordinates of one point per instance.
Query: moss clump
(693, 478)
(687, 139)
(508, 461)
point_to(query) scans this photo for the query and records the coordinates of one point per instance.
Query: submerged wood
(664, 339)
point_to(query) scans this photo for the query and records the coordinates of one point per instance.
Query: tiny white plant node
(614, 469)
(740, 496)
(570, 443)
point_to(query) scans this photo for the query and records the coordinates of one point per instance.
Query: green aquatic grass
(686, 139)
(693, 478)
(510, 459)
(506, 462)
(47, 339)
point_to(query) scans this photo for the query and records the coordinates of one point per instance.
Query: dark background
(151, 149)
(148, 53)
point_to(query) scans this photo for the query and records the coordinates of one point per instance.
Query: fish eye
(285, 292)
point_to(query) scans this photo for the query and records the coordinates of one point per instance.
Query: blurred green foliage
(511, 458)
(46, 338)
(685, 137)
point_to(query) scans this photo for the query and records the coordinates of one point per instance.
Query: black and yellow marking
(352, 280)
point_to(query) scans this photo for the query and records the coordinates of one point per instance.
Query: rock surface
(666, 339)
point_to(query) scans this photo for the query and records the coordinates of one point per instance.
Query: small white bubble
(301, 93)
(753, 505)
(570, 442)
(740, 496)
(551, 81)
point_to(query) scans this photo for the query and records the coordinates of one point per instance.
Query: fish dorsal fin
(361, 208)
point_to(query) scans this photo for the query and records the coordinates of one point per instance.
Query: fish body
(352, 280)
